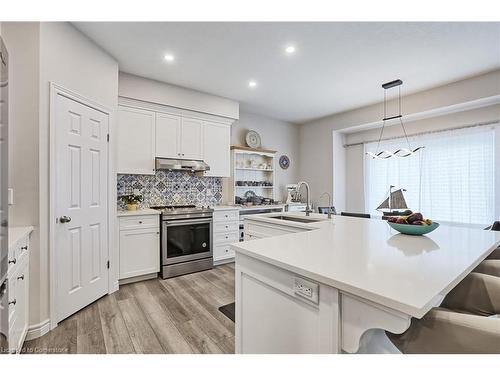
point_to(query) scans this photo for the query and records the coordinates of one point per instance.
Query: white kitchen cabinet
(135, 141)
(216, 149)
(147, 131)
(18, 279)
(226, 231)
(168, 136)
(255, 229)
(191, 139)
(139, 246)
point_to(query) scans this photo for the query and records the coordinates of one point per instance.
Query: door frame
(56, 89)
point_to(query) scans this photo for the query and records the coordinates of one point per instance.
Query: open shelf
(252, 165)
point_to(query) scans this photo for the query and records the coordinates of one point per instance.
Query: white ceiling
(337, 66)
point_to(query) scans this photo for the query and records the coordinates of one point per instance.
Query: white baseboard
(38, 330)
(224, 261)
(114, 288)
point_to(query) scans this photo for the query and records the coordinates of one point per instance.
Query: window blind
(452, 179)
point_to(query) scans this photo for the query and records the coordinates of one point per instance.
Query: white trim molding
(38, 330)
(435, 112)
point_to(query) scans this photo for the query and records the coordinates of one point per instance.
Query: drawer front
(138, 222)
(223, 251)
(222, 216)
(226, 227)
(18, 252)
(229, 237)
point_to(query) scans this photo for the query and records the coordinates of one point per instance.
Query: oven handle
(184, 222)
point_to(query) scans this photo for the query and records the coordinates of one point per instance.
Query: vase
(132, 207)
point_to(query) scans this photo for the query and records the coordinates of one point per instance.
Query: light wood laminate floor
(178, 315)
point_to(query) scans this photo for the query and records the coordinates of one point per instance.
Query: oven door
(185, 240)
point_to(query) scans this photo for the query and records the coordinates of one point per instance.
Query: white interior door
(81, 203)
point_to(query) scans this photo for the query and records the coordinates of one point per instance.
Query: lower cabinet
(139, 246)
(18, 284)
(226, 232)
(255, 229)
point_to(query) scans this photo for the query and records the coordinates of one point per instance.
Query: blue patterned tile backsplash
(171, 188)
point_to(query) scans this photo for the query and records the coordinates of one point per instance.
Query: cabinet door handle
(13, 302)
(21, 277)
(24, 247)
(13, 261)
(140, 222)
(157, 232)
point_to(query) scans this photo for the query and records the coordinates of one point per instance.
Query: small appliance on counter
(293, 200)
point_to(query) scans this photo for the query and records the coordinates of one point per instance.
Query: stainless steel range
(186, 239)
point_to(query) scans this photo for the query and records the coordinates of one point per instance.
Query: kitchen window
(455, 178)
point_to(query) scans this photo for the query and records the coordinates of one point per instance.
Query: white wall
(317, 135)
(44, 53)
(149, 90)
(23, 41)
(277, 135)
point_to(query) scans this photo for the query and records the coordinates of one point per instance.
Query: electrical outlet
(306, 289)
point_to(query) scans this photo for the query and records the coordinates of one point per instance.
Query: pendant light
(402, 152)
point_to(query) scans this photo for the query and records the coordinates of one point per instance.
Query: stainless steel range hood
(182, 165)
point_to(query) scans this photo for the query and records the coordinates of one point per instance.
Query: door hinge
(107, 264)
(107, 137)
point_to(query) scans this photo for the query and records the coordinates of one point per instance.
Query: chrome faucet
(329, 203)
(308, 203)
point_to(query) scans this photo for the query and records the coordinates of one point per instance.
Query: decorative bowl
(414, 230)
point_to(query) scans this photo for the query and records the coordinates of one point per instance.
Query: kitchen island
(313, 285)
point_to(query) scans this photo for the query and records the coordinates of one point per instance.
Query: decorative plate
(253, 139)
(284, 162)
(414, 230)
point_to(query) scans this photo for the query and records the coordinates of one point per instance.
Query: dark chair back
(324, 210)
(495, 226)
(355, 214)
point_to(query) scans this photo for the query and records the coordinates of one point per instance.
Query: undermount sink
(295, 218)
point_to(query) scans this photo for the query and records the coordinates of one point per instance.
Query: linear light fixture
(402, 152)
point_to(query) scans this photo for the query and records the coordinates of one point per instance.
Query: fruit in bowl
(413, 224)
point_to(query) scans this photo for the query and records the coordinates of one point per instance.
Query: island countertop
(366, 258)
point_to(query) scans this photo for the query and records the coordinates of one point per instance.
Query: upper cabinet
(145, 134)
(216, 144)
(168, 136)
(135, 141)
(191, 139)
(178, 137)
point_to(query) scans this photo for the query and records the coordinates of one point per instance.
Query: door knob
(64, 219)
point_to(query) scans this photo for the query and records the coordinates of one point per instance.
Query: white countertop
(145, 211)
(16, 233)
(365, 257)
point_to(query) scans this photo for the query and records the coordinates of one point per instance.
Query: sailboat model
(394, 201)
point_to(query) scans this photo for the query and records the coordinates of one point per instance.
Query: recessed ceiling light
(252, 83)
(290, 50)
(169, 57)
